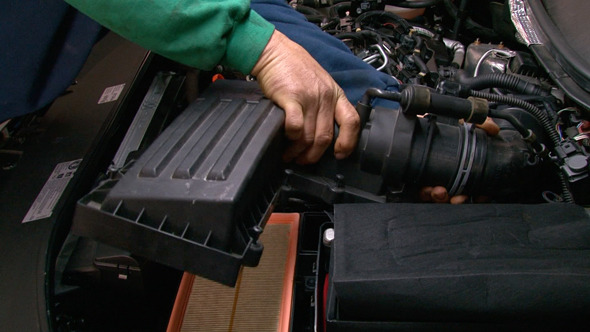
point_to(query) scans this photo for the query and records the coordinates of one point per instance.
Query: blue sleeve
(44, 45)
(349, 71)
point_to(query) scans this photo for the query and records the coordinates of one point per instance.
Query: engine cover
(471, 263)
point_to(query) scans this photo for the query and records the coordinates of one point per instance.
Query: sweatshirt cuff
(247, 41)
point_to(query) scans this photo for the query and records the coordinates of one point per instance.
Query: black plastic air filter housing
(198, 198)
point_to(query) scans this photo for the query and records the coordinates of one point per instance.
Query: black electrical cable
(545, 122)
(500, 80)
(531, 98)
(497, 91)
(565, 191)
(542, 117)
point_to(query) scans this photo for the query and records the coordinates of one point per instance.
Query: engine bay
(448, 72)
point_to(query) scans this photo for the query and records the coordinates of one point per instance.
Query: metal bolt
(328, 237)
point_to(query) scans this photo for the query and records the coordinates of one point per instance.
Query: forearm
(198, 33)
(203, 33)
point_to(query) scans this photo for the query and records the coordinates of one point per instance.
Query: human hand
(439, 194)
(311, 99)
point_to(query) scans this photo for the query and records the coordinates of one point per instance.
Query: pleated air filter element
(198, 198)
(261, 299)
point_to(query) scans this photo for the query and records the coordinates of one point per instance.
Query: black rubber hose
(416, 56)
(419, 42)
(510, 118)
(350, 35)
(335, 10)
(414, 4)
(501, 80)
(378, 93)
(542, 117)
(545, 122)
(420, 63)
(459, 20)
(383, 14)
(363, 106)
(469, 23)
(524, 132)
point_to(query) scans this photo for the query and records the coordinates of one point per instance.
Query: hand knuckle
(353, 120)
(323, 141)
(308, 140)
(294, 123)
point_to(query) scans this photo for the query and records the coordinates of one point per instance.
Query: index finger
(349, 122)
(322, 122)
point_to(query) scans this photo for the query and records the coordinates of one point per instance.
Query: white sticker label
(111, 93)
(43, 205)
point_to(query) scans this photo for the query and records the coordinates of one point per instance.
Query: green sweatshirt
(197, 33)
